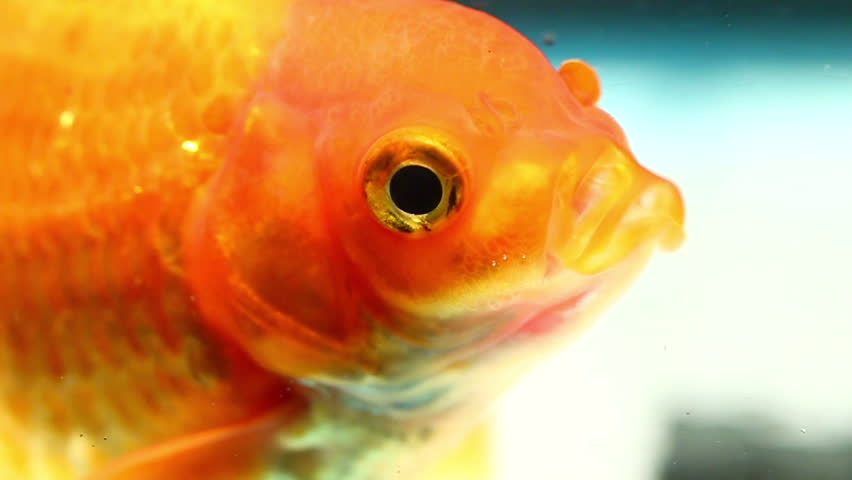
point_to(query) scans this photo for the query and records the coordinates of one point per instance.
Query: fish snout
(606, 206)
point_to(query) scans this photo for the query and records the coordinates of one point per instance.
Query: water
(748, 107)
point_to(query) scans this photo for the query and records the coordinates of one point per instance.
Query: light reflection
(66, 119)
(190, 146)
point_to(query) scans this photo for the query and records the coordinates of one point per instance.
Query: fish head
(413, 185)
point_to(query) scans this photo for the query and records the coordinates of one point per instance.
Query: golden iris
(413, 179)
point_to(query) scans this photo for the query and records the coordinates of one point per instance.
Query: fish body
(303, 238)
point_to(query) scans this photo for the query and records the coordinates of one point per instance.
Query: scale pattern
(112, 116)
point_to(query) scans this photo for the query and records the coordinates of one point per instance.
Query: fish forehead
(438, 49)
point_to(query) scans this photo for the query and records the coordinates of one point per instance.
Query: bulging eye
(413, 180)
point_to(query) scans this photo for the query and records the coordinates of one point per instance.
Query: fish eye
(415, 189)
(413, 180)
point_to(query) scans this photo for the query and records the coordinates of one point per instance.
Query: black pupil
(416, 189)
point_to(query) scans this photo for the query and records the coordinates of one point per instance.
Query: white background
(754, 314)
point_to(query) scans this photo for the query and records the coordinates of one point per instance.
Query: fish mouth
(609, 214)
(604, 212)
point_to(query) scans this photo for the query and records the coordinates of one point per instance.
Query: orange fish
(292, 239)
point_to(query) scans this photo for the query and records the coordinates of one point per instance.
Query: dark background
(672, 9)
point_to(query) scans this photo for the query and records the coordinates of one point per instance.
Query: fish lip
(611, 208)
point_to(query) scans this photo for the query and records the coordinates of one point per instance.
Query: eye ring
(413, 180)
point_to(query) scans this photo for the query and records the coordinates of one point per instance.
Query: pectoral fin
(233, 452)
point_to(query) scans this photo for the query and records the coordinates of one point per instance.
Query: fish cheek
(512, 216)
(489, 250)
(258, 251)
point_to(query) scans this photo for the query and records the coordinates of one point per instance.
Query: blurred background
(731, 359)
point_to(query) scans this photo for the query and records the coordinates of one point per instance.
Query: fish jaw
(605, 211)
(609, 216)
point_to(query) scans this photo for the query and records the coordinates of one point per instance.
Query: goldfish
(293, 239)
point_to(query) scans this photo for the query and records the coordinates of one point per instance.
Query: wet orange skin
(188, 243)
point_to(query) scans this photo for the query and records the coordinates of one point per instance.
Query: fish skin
(190, 270)
(101, 339)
